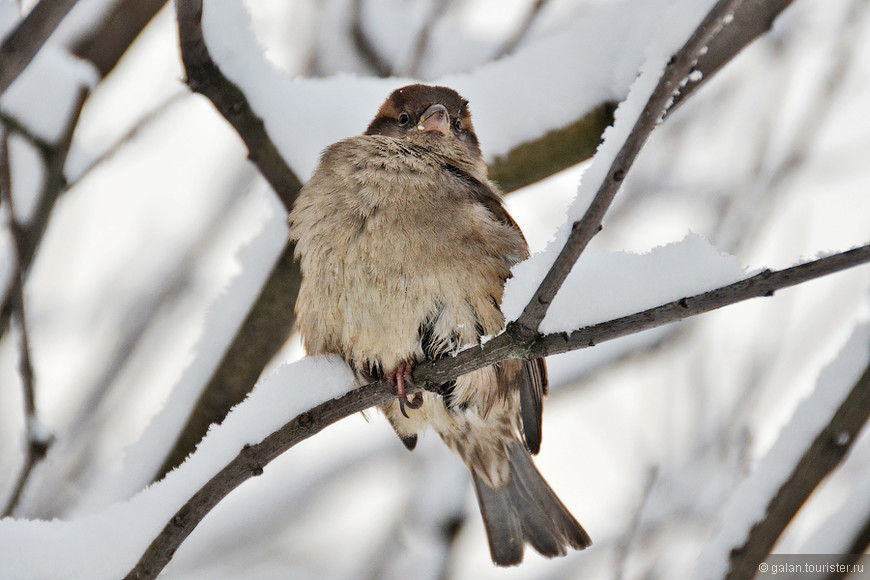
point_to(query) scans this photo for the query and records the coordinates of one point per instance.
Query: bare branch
(507, 345)
(54, 157)
(583, 231)
(27, 238)
(37, 446)
(109, 39)
(432, 374)
(514, 41)
(22, 44)
(437, 9)
(367, 51)
(824, 454)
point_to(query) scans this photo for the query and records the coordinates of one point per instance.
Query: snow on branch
(754, 18)
(816, 440)
(204, 76)
(251, 460)
(674, 76)
(270, 111)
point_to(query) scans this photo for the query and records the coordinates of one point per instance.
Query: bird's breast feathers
(388, 239)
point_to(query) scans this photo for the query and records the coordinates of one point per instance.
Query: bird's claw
(399, 377)
(414, 403)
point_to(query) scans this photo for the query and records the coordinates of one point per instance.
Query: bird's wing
(531, 380)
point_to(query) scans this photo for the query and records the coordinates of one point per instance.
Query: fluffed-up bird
(405, 248)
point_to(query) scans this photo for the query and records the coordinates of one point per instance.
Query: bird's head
(423, 113)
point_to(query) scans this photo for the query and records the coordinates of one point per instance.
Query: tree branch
(250, 463)
(432, 374)
(22, 44)
(508, 346)
(37, 445)
(204, 77)
(583, 231)
(824, 454)
(109, 39)
(559, 149)
(54, 157)
(754, 18)
(366, 50)
(437, 10)
(271, 318)
(520, 33)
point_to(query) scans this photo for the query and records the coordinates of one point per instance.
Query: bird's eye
(457, 125)
(404, 119)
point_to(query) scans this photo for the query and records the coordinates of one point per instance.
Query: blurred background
(147, 215)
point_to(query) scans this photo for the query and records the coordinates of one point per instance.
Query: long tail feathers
(526, 510)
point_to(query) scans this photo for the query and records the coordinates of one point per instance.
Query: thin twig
(37, 444)
(27, 238)
(506, 346)
(54, 157)
(659, 101)
(514, 41)
(367, 51)
(22, 44)
(754, 18)
(431, 374)
(144, 122)
(629, 539)
(437, 9)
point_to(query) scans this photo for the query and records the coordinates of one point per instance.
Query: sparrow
(405, 248)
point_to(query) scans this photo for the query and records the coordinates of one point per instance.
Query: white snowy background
(665, 445)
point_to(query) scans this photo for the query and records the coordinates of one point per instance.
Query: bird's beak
(435, 118)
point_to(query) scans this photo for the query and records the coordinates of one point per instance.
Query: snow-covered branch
(674, 76)
(524, 163)
(816, 440)
(149, 239)
(271, 318)
(432, 374)
(754, 18)
(509, 345)
(822, 456)
(204, 76)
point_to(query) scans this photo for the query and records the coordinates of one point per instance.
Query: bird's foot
(399, 377)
